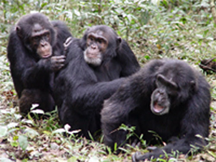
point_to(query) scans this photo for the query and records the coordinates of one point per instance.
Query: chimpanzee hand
(57, 62)
(53, 63)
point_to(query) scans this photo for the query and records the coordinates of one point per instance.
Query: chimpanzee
(166, 97)
(96, 67)
(33, 42)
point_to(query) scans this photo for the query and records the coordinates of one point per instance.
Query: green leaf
(115, 146)
(43, 5)
(38, 111)
(12, 125)
(34, 106)
(147, 57)
(14, 143)
(31, 133)
(60, 130)
(72, 159)
(94, 159)
(5, 160)
(212, 153)
(3, 131)
(15, 138)
(77, 12)
(23, 142)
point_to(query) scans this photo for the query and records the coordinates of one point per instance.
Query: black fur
(188, 115)
(33, 76)
(80, 88)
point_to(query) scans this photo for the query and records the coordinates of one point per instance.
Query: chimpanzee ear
(119, 40)
(18, 30)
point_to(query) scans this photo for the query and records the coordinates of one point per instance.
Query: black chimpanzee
(94, 64)
(33, 42)
(167, 97)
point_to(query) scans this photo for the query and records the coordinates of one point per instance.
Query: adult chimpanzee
(95, 65)
(32, 43)
(167, 97)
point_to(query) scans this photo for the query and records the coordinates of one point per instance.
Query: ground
(183, 30)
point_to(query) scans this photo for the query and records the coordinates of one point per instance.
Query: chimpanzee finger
(58, 67)
(55, 59)
(59, 57)
(67, 42)
(60, 64)
(60, 61)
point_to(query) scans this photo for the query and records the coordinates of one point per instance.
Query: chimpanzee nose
(93, 46)
(43, 43)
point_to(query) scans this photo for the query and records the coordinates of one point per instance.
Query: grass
(183, 30)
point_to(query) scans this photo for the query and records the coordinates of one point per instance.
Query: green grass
(176, 29)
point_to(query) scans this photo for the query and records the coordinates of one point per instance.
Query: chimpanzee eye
(100, 41)
(91, 38)
(47, 37)
(35, 39)
(34, 42)
(158, 83)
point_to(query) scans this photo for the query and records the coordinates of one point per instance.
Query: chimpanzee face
(40, 41)
(37, 34)
(161, 96)
(96, 46)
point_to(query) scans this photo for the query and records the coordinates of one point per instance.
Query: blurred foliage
(182, 29)
(154, 26)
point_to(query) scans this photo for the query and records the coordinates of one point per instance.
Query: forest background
(181, 29)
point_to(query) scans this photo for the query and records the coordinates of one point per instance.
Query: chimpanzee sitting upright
(167, 97)
(32, 43)
(94, 64)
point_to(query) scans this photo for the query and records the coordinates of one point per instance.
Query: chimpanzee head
(37, 34)
(175, 83)
(100, 42)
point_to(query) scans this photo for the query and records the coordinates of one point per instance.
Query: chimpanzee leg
(34, 96)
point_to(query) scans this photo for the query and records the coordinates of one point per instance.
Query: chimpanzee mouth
(47, 55)
(157, 108)
(92, 55)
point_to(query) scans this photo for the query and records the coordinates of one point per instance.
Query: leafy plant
(182, 29)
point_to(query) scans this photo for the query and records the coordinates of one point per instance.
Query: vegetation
(182, 29)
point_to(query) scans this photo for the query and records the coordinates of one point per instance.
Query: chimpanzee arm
(127, 59)
(128, 94)
(126, 99)
(15, 48)
(21, 62)
(86, 94)
(114, 113)
(37, 74)
(88, 98)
